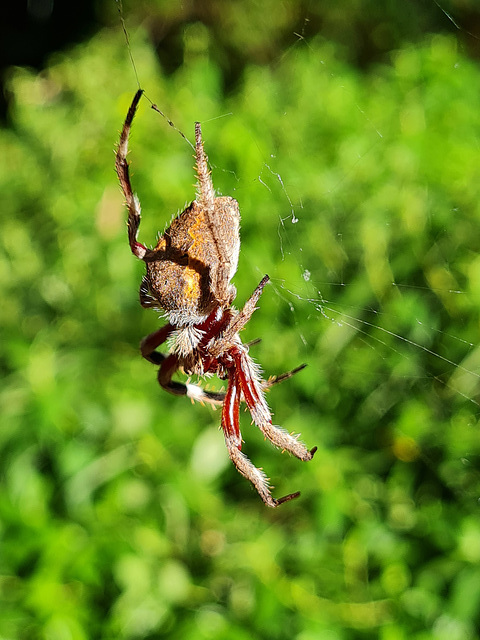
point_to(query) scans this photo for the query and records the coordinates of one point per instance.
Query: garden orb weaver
(188, 277)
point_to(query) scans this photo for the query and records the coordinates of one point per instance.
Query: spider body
(188, 277)
(185, 273)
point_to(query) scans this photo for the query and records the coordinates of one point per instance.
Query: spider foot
(312, 452)
(291, 496)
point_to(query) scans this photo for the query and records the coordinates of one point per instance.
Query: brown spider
(188, 277)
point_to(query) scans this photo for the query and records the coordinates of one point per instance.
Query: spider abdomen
(189, 270)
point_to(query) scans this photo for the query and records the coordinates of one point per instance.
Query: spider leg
(168, 367)
(169, 364)
(266, 384)
(233, 441)
(253, 342)
(239, 321)
(206, 194)
(216, 398)
(149, 344)
(121, 166)
(255, 399)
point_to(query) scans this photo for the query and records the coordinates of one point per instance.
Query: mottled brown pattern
(189, 268)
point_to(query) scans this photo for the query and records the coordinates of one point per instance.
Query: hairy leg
(233, 441)
(239, 321)
(149, 344)
(255, 399)
(169, 364)
(121, 166)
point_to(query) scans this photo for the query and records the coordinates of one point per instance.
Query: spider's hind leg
(233, 441)
(253, 392)
(256, 476)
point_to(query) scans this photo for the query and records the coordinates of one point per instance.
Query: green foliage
(120, 516)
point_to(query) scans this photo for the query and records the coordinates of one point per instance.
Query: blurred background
(349, 134)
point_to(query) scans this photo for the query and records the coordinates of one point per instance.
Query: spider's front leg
(233, 440)
(239, 321)
(121, 165)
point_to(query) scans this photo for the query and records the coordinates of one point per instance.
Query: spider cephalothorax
(188, 278)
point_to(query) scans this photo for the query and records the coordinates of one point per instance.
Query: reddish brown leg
(257, 405)
(233, 440)
(152, 341)
(169, 365)
(121, 166)
(230, 413)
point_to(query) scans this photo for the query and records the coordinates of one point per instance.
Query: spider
(188, 277)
